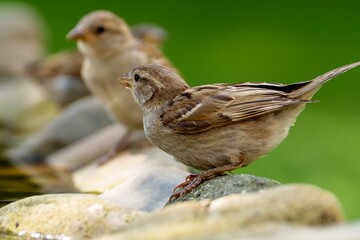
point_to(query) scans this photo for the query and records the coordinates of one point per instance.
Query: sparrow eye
(100, 29)
(137, 77)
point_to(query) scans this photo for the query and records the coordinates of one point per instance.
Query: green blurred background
(273, 41)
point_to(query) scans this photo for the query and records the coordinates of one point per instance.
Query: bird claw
(191, 182)
(185, 183)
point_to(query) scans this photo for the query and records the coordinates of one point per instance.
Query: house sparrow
(60, 73)
(70, 62)
(110, 49)
(218, 127)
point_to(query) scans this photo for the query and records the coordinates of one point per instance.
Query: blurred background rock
(277, 41)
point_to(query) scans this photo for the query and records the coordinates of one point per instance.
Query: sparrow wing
(201, 108)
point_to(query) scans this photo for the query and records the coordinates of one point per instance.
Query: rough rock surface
(226, 185)
(80, 216)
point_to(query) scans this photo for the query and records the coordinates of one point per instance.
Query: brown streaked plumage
(219, 127)
(110, 49)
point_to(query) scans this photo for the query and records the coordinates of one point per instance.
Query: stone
(80, 119)
(226, 185)
(79, 216)
(350, 231)
(147, 189)
(141, 179)
(99, 178)
(86, 150)
(238, 216)
(293, 203)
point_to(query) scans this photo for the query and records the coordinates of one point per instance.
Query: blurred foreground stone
(79, 216)
(266, 231)
(266, 211)
(239, 216)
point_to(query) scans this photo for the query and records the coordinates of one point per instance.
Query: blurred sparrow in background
(60, 73)
(110, 49)
(219, 127)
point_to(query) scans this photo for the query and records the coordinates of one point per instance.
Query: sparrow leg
(194, 180)
(130, 139)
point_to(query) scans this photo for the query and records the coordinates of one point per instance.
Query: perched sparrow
(219, 127)
(110, 49)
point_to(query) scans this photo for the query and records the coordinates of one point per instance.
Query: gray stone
(254, 215)
(141, 179)
(147, 189)
(86, 150)
(122, 169)
(80, 119)
(226, 185)
(79, 216)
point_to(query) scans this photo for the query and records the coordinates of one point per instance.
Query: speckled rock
(238, 215)
(80, 216)
(226, 185)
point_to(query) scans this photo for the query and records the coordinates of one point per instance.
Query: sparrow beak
(126, 80)
(76, 33)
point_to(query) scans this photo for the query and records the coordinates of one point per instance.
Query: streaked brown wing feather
(201, 108)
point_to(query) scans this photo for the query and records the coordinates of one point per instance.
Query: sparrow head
(153, 85)
(101, 33)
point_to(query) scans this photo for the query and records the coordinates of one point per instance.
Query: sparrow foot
(194, 180)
